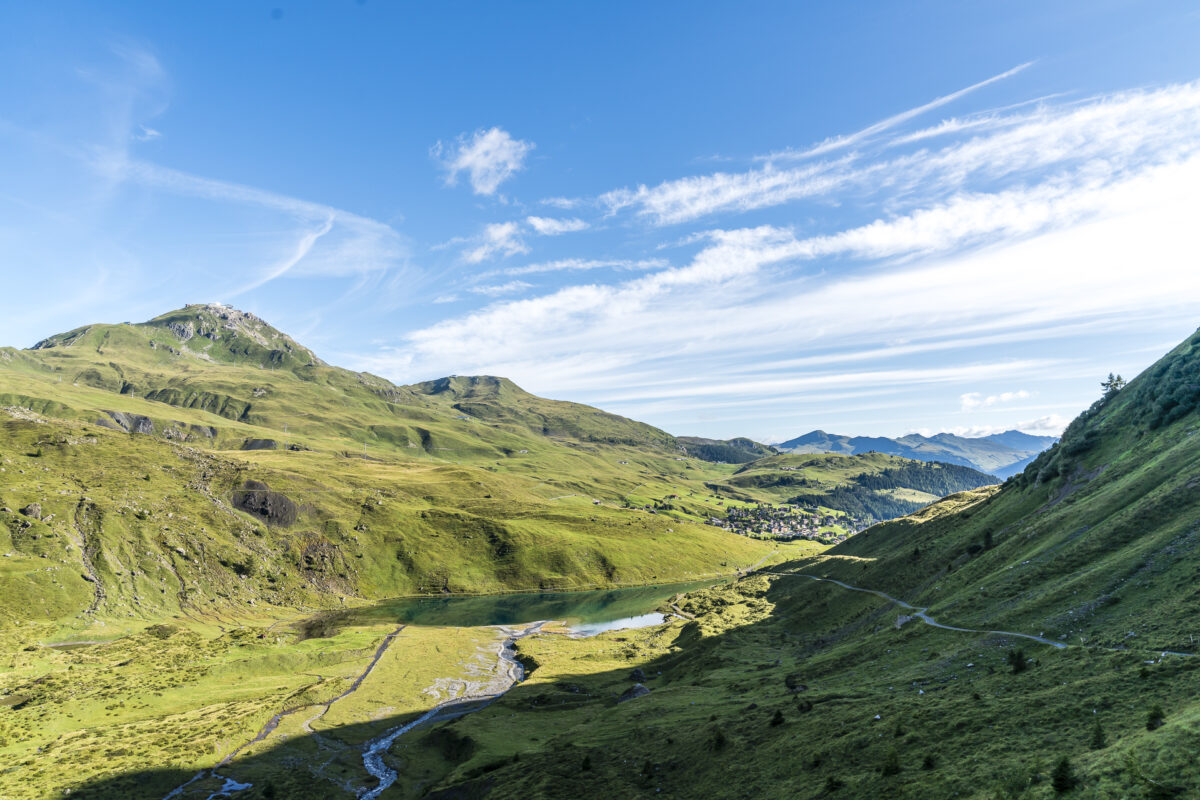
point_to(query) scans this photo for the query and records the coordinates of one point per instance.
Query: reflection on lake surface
(640, 621)
(587, 612)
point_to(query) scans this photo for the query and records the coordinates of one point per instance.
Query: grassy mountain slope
(204, 458)
(777, 686)
(183, 490)
(788, 685)
(1097, 538)
(785, 686)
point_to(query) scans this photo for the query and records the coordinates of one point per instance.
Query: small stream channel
(519, 615)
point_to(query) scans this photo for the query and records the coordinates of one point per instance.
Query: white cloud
(990, 119)
(1112, 135)
(329, 241)
(496, 290)
(549, 226)
(1050, 425)
(723, 325)
(882, 378)
(581, 264)
(849, 140)
(489, 157)
(527, 325)
(145, 134)
(351, 244)
(972, 401)
(498, 238)
(564, 203)
(687, 199)
(303, 247)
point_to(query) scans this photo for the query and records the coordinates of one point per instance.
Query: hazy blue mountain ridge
(1001, 454)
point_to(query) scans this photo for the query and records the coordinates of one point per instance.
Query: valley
(229, 569)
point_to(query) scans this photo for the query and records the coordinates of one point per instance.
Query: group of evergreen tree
(863, 496)
(1169, 390)
(930, 477)
(859, 502)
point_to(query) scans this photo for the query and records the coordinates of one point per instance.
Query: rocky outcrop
(633, 692)
(260, 444)
(131, 423)
(206, 431)
(181, 330)
(33, 510)
(273, 508)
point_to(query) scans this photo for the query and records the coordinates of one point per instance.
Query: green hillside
(175, 489)
(869, 487)
(203, 459)
(786, 686)
(1067, 669)
(1065, 665)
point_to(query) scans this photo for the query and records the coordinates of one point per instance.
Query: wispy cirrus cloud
(330, 241)
(499, 289)
(562, 203)
(550, 226)
(297, 237)
(981, 120)
(1116, 133)
(303, 247)
(488, 157)
(147, 134)
(869, 132)
(584, 264)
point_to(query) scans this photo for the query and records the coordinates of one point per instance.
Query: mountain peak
(209, 331)
(469, 386)
(233, 334)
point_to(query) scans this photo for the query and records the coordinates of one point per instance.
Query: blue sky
(723, 219)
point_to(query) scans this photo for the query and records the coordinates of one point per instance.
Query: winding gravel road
(919, 612)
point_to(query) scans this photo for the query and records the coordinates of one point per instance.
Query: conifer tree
(1099, 741)
(891, 763)
(1154, 719)
(1063, 776)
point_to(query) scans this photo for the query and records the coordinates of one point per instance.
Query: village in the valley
(765, 521)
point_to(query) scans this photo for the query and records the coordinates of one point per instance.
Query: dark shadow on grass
(818, 700)
(324, 764)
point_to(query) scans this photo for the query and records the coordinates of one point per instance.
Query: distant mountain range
(1001, 454)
